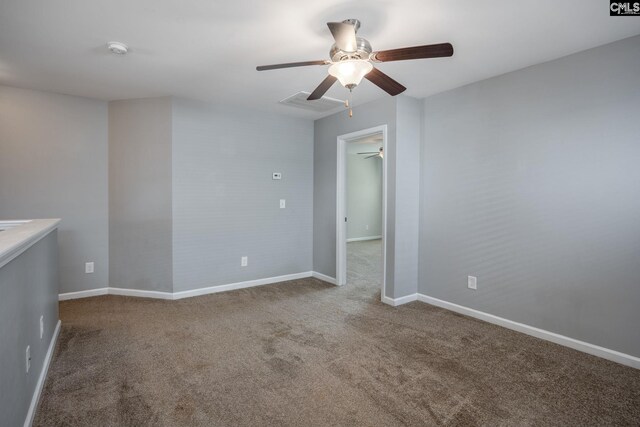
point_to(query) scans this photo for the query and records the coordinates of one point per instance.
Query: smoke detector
(117, 48)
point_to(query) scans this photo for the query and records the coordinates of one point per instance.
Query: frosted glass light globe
(350, 72)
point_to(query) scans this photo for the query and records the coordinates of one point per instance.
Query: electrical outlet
(366, 227)
(276, 175)
(283, 203)
(244, 261)
(41, 326)
(472, 282)
(89, 267)
(27, 359)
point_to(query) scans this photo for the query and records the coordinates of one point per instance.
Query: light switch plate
(88, 267)
(283, 203)
(472, 282)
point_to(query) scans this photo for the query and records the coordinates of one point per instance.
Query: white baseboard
(83, 294)
(139, 293)
(239, 285)
(43, 376)
(191, 292)
(362, 239)
(324, 277)
(595, 350)
(605, 353)
(394, 302)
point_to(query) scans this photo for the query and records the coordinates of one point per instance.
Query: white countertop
(21, 235)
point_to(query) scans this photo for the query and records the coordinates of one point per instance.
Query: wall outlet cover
(276, 175)
(244, 261)
(472, 282)
(283, 203)
(89, 267)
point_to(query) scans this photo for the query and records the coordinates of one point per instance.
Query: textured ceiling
(208, 50)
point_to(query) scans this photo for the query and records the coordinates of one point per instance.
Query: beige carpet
(305, 353)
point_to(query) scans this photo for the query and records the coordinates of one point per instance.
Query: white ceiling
(208, 49)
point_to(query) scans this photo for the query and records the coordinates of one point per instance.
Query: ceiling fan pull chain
(349, 102)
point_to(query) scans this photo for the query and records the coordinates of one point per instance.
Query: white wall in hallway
(364, 192)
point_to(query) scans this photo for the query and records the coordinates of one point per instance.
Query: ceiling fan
(378, 153)
(352, 59)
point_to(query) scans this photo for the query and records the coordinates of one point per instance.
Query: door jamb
(341, 228)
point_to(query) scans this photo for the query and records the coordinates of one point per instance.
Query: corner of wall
(407, 195)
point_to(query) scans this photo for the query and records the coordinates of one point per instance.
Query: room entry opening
(361, 208)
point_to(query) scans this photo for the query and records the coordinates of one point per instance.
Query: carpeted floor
(305, 353)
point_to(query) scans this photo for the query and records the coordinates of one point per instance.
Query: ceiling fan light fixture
(350, 72)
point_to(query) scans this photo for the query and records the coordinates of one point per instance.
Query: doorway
(361, 207)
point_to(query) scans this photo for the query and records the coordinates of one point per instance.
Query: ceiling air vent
(299, 100)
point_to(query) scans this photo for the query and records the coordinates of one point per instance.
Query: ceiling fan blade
(385, 82)
(375, 155)
(416, 52)
(322, 88)
(344, 35)
(289, 65)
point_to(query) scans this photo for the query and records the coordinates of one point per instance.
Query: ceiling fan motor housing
(363, 51)
(363, 47)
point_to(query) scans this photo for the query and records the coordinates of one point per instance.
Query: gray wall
(326, 131)
(364, 192)
(407, 195)
(53, 164)
(402, 115)
(140, 210)
(225, 204)
(29, 289)
(530, 181)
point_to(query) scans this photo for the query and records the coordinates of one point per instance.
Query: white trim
(341, 233)
(605, 353)
(15, 240)
(83, 294)
(341, 212)
(240, 285)
(140, 293)
(191, 292)
(324, 277)
(28, 421)
(362, 239)
(394, 302)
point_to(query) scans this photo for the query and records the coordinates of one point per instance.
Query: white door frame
(341, 203)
